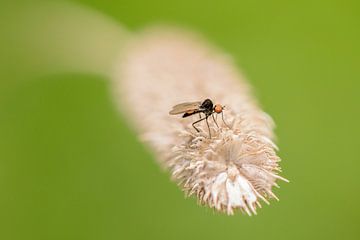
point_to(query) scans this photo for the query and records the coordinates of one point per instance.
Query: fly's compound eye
(218, 108)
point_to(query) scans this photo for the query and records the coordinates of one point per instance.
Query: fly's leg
(208, 126)
(215, 120)
(222, 116)
(198, 122)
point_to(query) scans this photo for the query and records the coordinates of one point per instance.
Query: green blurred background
(70, 168)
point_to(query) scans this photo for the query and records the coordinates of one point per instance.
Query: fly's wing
(185, 107)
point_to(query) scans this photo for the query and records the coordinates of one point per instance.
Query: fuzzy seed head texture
(235, 168)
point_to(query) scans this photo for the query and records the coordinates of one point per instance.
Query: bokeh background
(70, 167)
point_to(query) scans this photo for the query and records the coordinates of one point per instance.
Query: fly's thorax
(207, 105)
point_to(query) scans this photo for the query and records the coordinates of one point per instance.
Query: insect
(206, 107)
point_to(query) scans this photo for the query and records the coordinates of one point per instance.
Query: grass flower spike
(235, 168)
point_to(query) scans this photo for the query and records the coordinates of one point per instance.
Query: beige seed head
(234, 169)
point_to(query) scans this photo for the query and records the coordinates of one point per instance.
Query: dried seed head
(234, 169)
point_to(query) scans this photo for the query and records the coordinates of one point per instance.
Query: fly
(206, 107)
